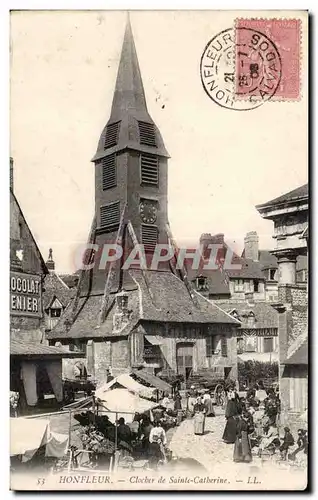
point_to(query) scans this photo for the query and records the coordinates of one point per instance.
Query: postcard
(158, 250)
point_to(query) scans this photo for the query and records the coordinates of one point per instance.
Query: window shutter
(224, 346)
(149, 237)
(109, 172)
(110, 216)
(147, 134)
(111, 136)
(149, 169)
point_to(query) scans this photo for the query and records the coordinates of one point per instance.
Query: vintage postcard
(158, 250)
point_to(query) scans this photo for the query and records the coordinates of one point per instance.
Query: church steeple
(130, 124)
(129, 93)
(131, 178)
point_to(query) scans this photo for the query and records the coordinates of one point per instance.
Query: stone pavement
(217, 458)
(208, 449)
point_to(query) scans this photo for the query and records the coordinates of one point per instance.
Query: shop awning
(124, 403)
(127, 382)
(150, 379)
(153, 339)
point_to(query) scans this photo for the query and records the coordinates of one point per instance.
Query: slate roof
(217, 283)
(265, 315)
(267, 260)
(159, 296)
(54, 286)
(294, 195)
(171, 301)
(70, 280)
(33, 349)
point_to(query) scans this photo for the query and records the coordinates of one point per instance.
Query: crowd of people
(252, 422)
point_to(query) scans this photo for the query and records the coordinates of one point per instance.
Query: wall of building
(238, 290)
(294, 394)
(25, 328)
(295, 320)
(170, 336)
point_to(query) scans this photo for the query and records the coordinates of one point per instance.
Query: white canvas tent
(27, 435)
(127, 382)
(122, 403)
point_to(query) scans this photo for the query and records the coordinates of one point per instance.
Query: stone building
(289, 213)
(35, 368)
(242, 292)
(136, 318)
(269, 265)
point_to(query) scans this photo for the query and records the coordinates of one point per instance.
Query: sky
(223, 162)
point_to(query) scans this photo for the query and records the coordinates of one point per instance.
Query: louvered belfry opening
(147, 134)
(110, 216)
(149, 169)
(109, 174)
(111, 137)
(149, 237)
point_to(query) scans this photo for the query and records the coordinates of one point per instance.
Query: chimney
(251, 245)
(218, 239)
(207, 239)
(50, 264)
(11, 173)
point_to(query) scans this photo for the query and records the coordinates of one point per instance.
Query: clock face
(148, 211)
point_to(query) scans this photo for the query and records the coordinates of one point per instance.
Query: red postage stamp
(268, 58)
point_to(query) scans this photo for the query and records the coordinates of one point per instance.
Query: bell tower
(130, 163)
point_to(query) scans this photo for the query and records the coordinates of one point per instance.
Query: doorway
(185, 359)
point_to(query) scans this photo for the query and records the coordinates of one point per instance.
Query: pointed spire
(50, 264)
(129, 91)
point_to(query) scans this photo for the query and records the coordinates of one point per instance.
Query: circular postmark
(240, 69)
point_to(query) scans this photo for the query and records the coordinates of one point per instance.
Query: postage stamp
(146, 356)
(264, 40)
(257, 61)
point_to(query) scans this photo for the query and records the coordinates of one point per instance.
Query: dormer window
(202, 283)
(235, 314)
(122, 301)
(251, 320)
(54, 312)
(272, 273)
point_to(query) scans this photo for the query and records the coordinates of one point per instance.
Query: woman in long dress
(242, 447)
(177, 401)
(199, 417)
(231, 413)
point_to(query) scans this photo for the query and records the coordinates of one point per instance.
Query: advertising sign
(25, 295)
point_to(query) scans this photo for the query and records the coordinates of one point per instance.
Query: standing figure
(207, 400)
(231, 412)
(288, 441)
(242, 447)
(199, 417)
(177, 401)
(157, 442)
(191, 400)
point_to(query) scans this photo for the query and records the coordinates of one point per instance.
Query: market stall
(27, 436)
(125, 381)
